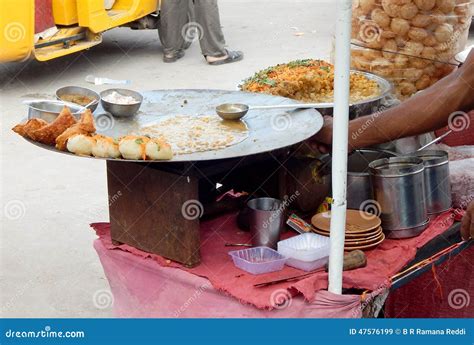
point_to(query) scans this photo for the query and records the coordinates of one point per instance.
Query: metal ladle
(441, 137)
(235, 111)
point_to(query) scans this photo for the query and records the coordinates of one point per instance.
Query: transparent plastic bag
(410, 42)
(408, 74)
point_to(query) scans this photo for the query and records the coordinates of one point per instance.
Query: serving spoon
(236, 111)
(84, 107)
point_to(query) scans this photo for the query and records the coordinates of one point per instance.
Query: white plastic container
(306, 252)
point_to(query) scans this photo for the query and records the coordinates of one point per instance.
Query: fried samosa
(84, 126)
(48, 134)
(29, 126)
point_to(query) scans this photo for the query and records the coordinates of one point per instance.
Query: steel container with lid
(399, 189)
(437, 183)
(359, 188)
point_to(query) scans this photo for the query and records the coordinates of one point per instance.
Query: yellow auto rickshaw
(79, 25)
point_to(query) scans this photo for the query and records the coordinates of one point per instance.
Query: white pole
(339, 143)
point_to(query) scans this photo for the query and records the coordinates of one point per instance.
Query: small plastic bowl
(121, 110)
(258, 260)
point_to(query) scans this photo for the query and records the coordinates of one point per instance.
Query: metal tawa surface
(268, 129)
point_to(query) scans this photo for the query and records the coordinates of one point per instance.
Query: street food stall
(219, 208)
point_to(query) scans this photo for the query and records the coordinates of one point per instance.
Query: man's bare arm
(425, 112)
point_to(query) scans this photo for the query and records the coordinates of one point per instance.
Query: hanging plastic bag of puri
(412, 43)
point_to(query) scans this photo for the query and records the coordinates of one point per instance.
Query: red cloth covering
(43, 15)
(462, 130)
(446, 292)
(143, 289)
(217, 266)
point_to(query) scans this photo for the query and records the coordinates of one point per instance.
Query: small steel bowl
(48, 110)
(77, 90)
(121, 110)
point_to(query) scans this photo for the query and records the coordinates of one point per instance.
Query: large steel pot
(359, 188)
(399, 189)
(310, 179)
(437, 183)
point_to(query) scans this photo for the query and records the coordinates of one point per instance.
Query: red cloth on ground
(422, 297)
(216, 265)
(141, 288)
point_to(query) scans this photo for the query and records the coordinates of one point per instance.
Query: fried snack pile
(78, 137)
(42, 132)
(84, 126)
(409, 42)
(308, 81)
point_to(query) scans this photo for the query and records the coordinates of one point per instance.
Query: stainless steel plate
(268, 129)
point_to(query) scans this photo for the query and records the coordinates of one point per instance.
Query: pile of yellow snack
(410, 42)
(308, 80)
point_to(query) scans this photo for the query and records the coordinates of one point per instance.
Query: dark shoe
(173, 57)
(232, 56)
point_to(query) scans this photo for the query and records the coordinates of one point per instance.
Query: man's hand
(467, 224)
(322, 141)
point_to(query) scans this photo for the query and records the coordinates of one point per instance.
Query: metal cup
(266, 217)
(437, 184)
(399, 189)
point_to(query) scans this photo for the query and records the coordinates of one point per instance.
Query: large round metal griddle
(268, 130)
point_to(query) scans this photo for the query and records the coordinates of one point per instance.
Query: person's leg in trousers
(191, 21)
(173, 17)
(212, 38)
